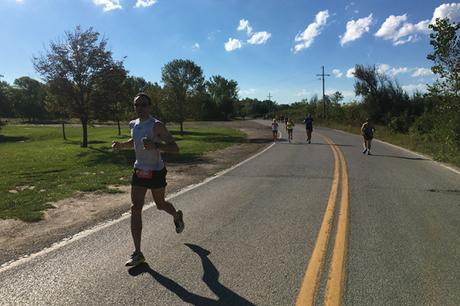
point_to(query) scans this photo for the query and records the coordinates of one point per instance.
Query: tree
(29, 98)
(6, 105)
(111, 95)
(224, 93)
(57, 106)
(134, 85)
(446, 55)
(383, 99)
(182, 80)
(74, 66)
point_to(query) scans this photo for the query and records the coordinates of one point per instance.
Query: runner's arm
(168, 143)
(120, 145)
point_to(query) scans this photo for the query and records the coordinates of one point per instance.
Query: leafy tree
(111, 95)
(446, 55)
(134, 85)
(155, 92)
(74, 66)
(29, 96)
(224, 93)
(182, 79)
(383, 99)
(6, 105)
(57, 105)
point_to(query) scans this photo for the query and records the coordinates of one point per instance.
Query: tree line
(82, 80)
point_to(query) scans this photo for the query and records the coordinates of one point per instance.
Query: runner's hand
(116, 145)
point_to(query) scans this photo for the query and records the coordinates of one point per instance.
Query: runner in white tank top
(149, 136)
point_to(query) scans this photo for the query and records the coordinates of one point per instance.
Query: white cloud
(397, 29)
(247, 92)
(349, 6)
(391, 71)
(421, 72)
(411, 88)
(108, 5)
(306, 38)
(145, 3)
(259, 38)
(303, 93)
(337, 73)
(244, 25)
(196, 46)
(451, 11)
(232, 44)
(347, 94)
(351, 73)
(356, 29)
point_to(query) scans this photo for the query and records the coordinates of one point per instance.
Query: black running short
(157, 180)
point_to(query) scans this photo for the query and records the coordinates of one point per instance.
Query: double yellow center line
(336, 277)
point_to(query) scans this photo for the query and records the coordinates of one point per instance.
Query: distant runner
(149, 136)
(290, 128)
(367, 130)
(275, 130)
(308, 126)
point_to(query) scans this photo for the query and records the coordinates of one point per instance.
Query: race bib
(145, 174)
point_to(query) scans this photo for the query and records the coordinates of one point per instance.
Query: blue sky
(267, 46)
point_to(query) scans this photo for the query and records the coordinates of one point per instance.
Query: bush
(423, 124)
(399, 124)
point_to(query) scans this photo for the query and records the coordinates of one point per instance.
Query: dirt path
(85, 210)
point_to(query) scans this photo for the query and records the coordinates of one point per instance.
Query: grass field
(38, 167)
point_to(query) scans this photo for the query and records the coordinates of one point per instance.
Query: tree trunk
(119, 130)
(84, 123)
(182, 127)
(63, 130)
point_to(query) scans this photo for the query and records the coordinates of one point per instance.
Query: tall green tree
(73, 66)
(111, 95)
(6, 104)
(28, 96)
(445, 56)
(183, 79)
(224, 93)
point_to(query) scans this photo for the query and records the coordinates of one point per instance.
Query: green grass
(38, 167)
(425, 145)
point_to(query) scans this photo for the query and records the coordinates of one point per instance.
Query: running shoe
(136, 259)
(369, 152)
(364, 151)
(179, 222)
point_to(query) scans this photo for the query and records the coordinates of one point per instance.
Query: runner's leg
(137, 199)
(158, 195)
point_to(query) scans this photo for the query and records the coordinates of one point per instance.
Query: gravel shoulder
(84, 210)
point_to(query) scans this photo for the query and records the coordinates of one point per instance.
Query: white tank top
(145, 159)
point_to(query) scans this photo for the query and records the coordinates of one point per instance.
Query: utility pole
(322, 75)
(269, 103)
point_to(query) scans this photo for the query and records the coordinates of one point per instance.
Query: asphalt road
(251, 233)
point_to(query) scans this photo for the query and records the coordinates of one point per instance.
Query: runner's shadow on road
(400, 157)
(210, 278)
(321, 144)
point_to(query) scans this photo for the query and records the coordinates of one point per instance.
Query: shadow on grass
(4, 138)
(78, 142)
(210, 277)
(33, 174)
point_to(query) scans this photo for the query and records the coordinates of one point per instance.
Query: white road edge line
(409, 151)
(26, 258)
